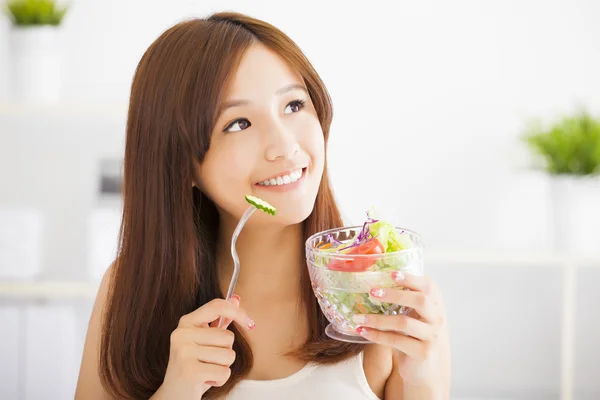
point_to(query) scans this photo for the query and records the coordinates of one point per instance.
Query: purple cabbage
(363, 236)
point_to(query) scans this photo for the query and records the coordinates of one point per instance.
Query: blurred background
(433, 100)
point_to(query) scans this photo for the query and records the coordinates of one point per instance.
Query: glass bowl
(342, 282)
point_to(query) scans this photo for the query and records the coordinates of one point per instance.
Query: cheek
(226, 171)
(313, 143)
(310, 135)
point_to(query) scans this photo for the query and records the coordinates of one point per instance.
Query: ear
(195, 177)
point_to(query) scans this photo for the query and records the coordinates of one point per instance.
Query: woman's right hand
(201, 353)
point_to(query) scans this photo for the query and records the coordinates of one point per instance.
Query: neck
(271, 259)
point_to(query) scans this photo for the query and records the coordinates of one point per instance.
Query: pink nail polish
(398, 276)
(251, 324)
(361, 331)
(235, 296)
(377, 292)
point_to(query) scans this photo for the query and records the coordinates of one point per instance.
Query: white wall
(438, 90)
(429, 100)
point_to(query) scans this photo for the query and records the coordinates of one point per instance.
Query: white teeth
(284, 179)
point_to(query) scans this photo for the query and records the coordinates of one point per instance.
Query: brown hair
(166, 262)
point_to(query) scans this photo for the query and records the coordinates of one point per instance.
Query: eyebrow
(279, 92)
(289, 88)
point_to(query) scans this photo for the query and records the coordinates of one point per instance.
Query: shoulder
(102, 298)
(378, 365)
(88, 384)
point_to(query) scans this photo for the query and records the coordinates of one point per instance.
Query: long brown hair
(166, 262)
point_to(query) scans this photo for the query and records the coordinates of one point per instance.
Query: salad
(375, 237)
(345, 264)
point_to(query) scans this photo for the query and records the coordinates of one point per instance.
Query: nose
(281, 145)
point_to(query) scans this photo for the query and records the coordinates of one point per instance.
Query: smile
(283, 180)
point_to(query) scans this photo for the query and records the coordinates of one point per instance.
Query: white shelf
(49, 290)
(62, 290)
(509, 259)
(65, 110)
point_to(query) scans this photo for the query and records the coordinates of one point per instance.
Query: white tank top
(344, 380)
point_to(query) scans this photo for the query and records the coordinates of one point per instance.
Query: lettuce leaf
(389, 237)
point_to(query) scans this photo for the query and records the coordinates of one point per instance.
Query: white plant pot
(575, 208)
(35, 64)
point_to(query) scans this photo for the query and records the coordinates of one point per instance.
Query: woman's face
(267, 141)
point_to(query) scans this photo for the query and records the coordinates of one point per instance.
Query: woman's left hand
(421, 337)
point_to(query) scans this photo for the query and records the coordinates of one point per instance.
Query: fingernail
(377, 292)
(211, 383)
(361, 331)
(398, 276)
(251, 325)
(359, 319)
(235, 296)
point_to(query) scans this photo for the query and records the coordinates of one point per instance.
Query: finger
(410, 346)
(418, 301)
(212, 374)
(398, 323)
(413, 282)
(235, 299)
(215, 355)
(214, 309)
(216, 337)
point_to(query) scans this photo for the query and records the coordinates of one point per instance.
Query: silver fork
(236, 260)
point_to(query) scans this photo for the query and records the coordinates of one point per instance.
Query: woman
(222, 107)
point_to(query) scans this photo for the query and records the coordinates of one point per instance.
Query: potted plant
(569, 152)
(35, 51)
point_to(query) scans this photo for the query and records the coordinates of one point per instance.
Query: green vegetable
(393, 241)
(261, 204)
(386, 234)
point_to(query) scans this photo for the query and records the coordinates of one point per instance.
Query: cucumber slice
(261, 204)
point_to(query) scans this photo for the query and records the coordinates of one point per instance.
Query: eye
(294, 106)
(238, 125)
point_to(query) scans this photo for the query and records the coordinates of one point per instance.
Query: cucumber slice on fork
(261, 204)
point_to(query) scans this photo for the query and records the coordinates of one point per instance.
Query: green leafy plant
(36, 12)
(569, 146)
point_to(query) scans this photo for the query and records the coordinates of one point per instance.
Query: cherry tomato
(371, 246)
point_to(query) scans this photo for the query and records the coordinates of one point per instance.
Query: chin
(290, 211)
(289, 215)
